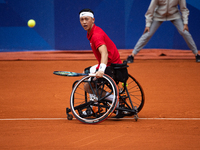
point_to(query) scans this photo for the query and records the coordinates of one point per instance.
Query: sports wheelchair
(128, 97)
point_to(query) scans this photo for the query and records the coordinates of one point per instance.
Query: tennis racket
(68, 73)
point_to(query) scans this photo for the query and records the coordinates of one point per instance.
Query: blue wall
(58, 28)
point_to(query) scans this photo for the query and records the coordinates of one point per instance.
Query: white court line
(170, 118)
(30, 119)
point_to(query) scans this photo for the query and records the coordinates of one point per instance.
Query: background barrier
(58, 28)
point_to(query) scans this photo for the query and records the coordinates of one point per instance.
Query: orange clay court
(33, 103)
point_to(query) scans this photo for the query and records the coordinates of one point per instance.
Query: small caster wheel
(69, 117)
(136, 117)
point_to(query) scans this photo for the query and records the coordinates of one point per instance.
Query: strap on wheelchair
(119, 66)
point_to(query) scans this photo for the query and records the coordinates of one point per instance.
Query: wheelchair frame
(128, 98)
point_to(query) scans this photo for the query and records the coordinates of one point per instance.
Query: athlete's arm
(104, 54)
(104, 59)
(184, 11)
(150, 12)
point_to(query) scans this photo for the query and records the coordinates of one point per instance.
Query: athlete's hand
(146, 30)
(99, 74)
(185, 27)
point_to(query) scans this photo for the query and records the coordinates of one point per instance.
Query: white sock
(110, 97)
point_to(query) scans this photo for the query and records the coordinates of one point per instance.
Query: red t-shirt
(98, 37)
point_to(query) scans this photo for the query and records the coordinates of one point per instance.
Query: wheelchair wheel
(132, 92)
(94, 107)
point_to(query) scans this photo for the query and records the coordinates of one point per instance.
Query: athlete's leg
(178, 23)
(87, 87)
(144, 39)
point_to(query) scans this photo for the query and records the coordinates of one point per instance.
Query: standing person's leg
(178, 23)
(144, 39)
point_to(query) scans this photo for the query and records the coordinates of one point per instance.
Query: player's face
(87, 23)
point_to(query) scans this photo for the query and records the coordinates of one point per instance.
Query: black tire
(82, 104)
(69, 117)
(133, 91)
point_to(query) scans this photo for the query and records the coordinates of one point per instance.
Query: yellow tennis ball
(31, 23)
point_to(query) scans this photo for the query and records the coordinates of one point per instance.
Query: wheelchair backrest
(120, 71)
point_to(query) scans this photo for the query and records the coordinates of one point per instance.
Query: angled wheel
(94, 107)
(133, 93)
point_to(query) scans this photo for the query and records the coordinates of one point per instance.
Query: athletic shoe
(130, 59)
(86, 113)
(119, 114)
(95, 110)
(198, 58)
